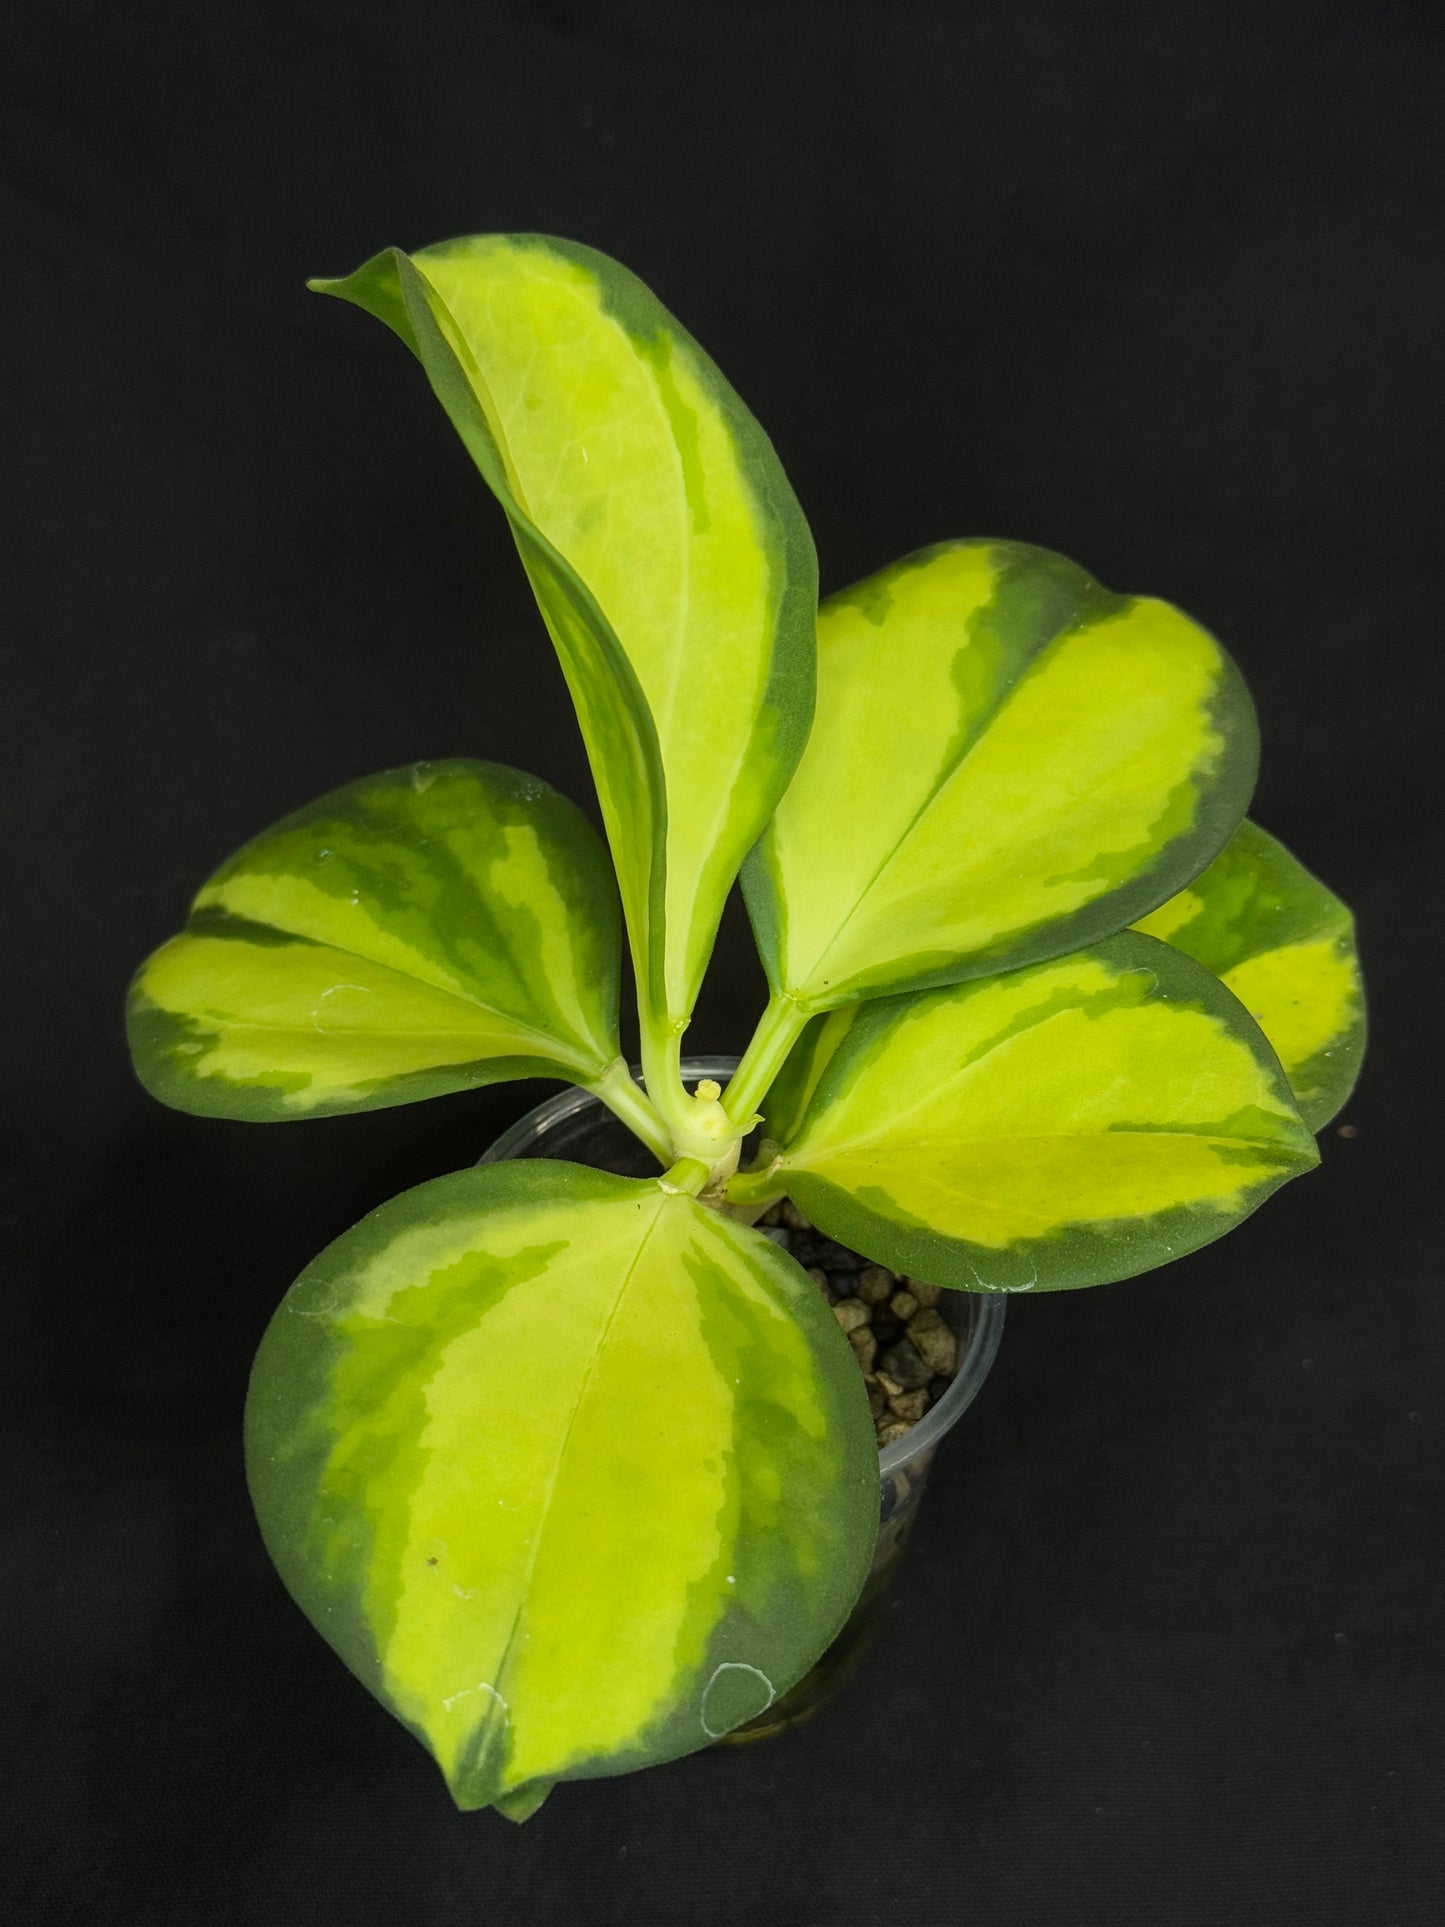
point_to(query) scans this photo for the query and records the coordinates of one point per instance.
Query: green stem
(662, 1070)
(688, 1174)
(623, 1098)
(759, 1188)
(777, 1032)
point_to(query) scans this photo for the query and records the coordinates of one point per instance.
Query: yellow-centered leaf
(422, 931)
(1285, 945)
(1007, 762)
(575, 1473)
(1069, 1123)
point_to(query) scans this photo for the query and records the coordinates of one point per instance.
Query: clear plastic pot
(576, 1127)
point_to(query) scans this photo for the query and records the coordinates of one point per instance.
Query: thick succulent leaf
(1285, 945)
(670, 558)
(1069, 1123)
(575, 1474)
(422, 931)
(1023, 763)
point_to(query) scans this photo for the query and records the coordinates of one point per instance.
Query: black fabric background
(1156, 285)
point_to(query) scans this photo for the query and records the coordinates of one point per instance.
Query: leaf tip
(523, 1801)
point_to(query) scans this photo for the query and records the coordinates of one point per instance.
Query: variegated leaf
(671, 561)
(1023, 761)
(1285, 945)
(574, 1473)
(422, 931)
(1069, 1123)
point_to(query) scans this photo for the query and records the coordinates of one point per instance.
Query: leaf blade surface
(1023, 760)
(1069, 1123)
(422, 931)
(1285, 945)
(573, 1473)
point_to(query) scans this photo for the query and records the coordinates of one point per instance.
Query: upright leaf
(671, 561)
(1066, 1124)
(574, 1473)
(1285, 945)
(421, 931)
(1020, 763)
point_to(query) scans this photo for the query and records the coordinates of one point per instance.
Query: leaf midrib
(587, 1375)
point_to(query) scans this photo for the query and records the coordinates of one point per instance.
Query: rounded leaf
(422, 931)
(1007, 762)
(573, 1472)
(1069, 1123)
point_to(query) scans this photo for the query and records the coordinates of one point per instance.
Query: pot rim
(980, 1336)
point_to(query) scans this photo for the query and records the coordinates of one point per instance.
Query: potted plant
(578, 1471)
